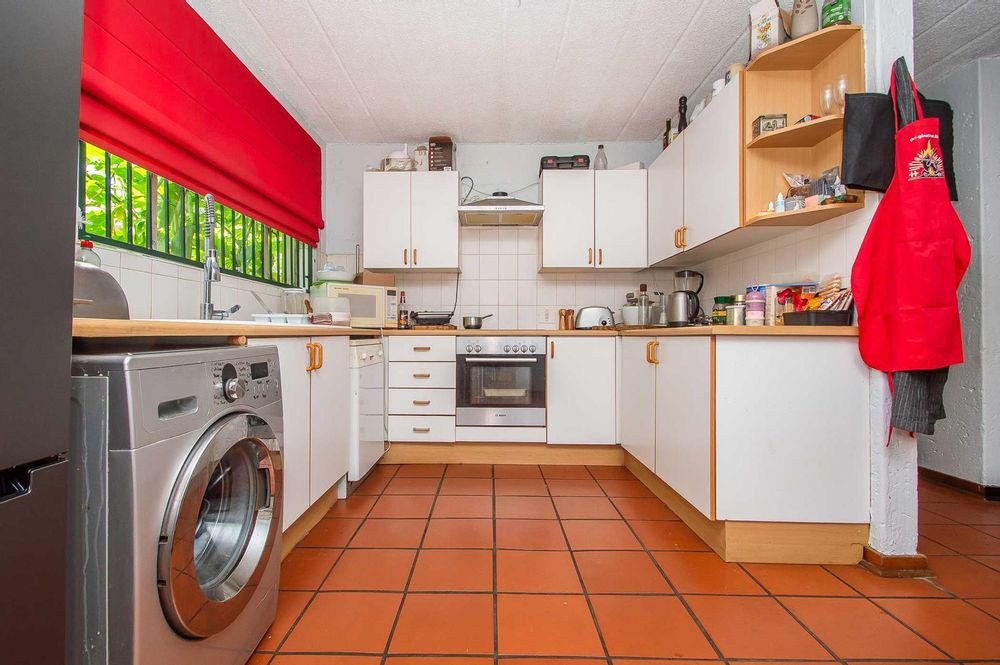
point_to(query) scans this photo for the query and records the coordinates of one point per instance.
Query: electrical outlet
(545, 314)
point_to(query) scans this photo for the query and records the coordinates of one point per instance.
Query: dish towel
(918, 399)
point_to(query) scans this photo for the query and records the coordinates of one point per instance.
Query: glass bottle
(86, 254)
(600, 159)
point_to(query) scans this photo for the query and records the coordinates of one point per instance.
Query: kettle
(682, 308)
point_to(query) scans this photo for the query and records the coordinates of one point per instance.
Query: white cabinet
(684, 417)
(594, 219)
(568, 220)
(411, 220)
(580, 390)
(712, 169)
(666, 201)
(637, 400)
(620, 218)
(421, 379)
(315, 413)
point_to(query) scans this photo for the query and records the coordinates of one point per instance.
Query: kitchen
(538, 379)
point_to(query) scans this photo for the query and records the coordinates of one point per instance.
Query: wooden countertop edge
(107, 328)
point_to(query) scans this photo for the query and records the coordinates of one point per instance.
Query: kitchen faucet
(212, 272)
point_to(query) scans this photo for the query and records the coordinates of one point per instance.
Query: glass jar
(719, 310)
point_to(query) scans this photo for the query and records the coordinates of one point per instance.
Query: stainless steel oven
(500, 382)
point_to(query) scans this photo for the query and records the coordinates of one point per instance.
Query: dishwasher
(366, 444)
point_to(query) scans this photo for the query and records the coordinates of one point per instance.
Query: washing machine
(179, 483)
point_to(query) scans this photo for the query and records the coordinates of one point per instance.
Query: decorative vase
(805, 18)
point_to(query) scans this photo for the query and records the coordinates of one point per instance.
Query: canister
(736, 315)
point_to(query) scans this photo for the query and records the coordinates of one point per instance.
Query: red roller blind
(161, 89)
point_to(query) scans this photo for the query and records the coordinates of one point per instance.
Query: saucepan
(474, 322)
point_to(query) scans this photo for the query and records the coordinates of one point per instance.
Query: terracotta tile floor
(574, 565)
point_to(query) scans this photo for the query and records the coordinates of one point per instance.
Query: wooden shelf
(804, 135)
(804, 216)
(803, 53)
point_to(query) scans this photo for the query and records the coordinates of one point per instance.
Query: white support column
(888, 35)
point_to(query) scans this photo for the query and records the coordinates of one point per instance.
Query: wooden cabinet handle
(421, 402)
(421, 348)
(414, 256)
(405, 256)
(590, 256)
(600, 257)
(421, 430)
(649, 352)
(319, 362)
(684, 242)
(552, 349)
(312, 356)
(677, 238)
(654, 351)
(421, 376)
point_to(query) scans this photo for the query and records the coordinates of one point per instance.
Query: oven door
(500, 391)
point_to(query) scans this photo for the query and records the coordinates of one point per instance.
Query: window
(126, 206)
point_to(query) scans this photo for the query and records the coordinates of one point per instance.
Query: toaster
(595, 317)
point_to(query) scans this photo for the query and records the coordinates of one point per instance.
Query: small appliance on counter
(595, 316)
(683, 306)
(370, 306)
(640, 310)
(97, 294)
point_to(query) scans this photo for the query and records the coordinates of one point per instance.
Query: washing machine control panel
(250, 380)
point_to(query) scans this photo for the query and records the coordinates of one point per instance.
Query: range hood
(500, 210)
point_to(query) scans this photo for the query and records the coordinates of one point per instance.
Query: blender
(683, 306)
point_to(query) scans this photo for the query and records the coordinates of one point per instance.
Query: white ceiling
(512, 71)
(949, 33)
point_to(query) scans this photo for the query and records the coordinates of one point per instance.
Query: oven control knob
(524, 349)
(531, 348)
(506, 348)
(478, 348)
(468, 347)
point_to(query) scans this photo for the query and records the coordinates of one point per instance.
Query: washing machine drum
(220, 526)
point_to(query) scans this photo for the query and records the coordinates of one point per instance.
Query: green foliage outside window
(125, 205)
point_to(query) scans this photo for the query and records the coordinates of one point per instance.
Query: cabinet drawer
(422, 428)
(422, 349)
(419, 401)
(421, 375)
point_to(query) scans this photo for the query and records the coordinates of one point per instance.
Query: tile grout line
(680, 598)
(496, 586)
(315, 592)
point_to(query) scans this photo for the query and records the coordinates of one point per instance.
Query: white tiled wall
(500, 277)
(161, 289)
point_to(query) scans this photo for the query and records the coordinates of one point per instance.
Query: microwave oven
(371, 306)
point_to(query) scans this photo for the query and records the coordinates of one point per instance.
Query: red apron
(906, 276)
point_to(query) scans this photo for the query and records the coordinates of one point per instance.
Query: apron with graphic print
(914, 255)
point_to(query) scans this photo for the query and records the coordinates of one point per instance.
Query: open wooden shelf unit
(788, 79)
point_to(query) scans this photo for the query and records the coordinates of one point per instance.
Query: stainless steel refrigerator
(39, 122)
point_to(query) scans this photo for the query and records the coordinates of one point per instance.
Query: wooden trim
(502, 453)
(712, 532)
(761, 542)
(952, 481)
(895, 565)
(301, 527)
(711, 431)
(795, 542)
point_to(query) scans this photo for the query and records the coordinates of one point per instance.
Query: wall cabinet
(411, 220)
(315, 399)
(694, 188)
(580, 390)
(594, 220)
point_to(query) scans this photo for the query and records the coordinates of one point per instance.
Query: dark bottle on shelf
(682, 113)
(666, 135)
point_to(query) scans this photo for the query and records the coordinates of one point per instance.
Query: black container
(820, 318)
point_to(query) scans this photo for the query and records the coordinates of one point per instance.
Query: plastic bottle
(779, 203)
(600, 159)
(86, 254)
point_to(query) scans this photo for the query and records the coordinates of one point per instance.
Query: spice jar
(719, 310)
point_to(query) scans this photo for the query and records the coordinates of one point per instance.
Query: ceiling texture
(511, 71)
(949, 33)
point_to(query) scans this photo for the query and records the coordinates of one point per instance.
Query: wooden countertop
(116, 328)
(747, 331)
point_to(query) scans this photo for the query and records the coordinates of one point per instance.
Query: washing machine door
(221, 525)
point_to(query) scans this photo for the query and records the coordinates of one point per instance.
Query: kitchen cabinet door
(434, 220)
(329, 416)
(293, 359)
(580, 390)
(620, 218)
(386, 216)
(712, 150)
(665, 199)
(638, 396)
(684, 418)
(568, 220)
